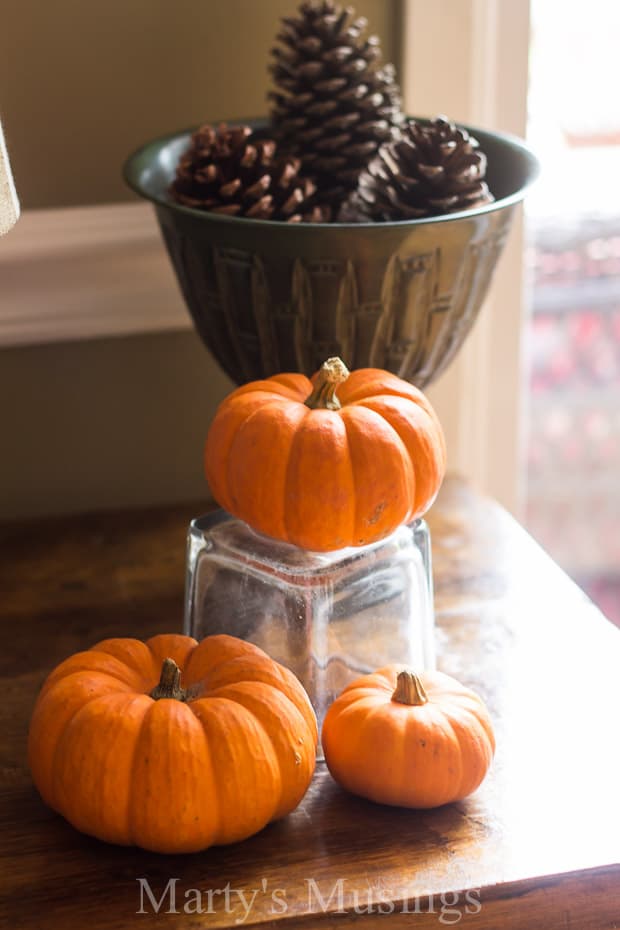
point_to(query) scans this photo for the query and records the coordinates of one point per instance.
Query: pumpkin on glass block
(340, 460)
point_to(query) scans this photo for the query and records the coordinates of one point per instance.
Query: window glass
(573, 467)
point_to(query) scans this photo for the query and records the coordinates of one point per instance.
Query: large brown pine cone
(333, 105)
(231, 170)
(433, 169)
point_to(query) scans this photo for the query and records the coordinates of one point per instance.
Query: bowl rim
(509, 140)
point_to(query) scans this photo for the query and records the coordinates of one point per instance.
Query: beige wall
(118, 422)
(104, 424)
(82, 84)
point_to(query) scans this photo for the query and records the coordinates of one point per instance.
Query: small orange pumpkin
(172, 745)
(409, 740)
(324, 471)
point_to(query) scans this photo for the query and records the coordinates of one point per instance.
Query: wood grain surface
(537, 846)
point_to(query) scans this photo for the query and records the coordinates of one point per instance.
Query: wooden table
(537, 846)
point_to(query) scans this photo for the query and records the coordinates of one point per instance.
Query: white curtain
(9, 205)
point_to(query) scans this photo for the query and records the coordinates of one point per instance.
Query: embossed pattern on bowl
(269, 296)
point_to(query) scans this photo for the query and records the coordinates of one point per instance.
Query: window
(573, 467)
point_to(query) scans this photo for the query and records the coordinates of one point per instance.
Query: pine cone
(333, 105)
(435, 168)
(233, 171)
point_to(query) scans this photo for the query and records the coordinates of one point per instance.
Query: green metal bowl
(269, 296)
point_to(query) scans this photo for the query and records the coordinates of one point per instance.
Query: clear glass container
(328, 616)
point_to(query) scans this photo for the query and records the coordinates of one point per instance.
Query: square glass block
(328, 616)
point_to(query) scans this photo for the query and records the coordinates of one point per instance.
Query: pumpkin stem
(409, 689)
(169, 683)
(331, 373)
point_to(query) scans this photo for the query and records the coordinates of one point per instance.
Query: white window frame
(468, 59)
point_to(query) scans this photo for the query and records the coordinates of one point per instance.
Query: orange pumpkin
(303, 464)
(224, 743)
(409, 740)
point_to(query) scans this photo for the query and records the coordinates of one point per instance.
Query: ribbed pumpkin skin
(325, 479)
(166, 775)
(409, 756)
